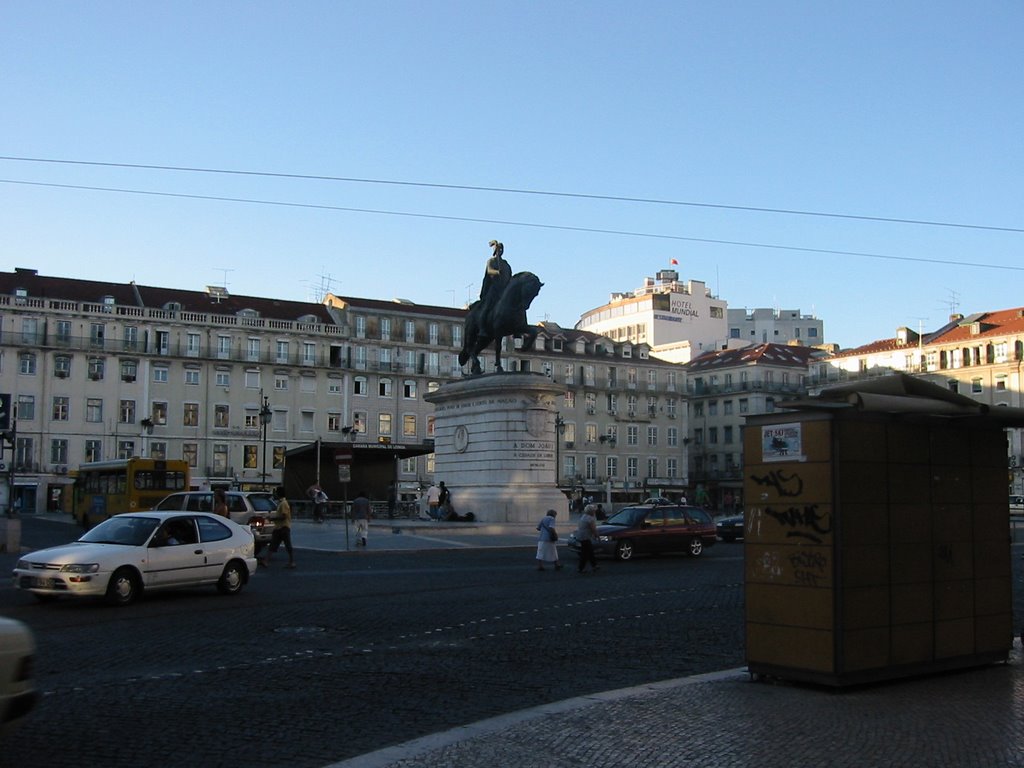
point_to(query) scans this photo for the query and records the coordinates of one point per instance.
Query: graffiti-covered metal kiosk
(877, 539)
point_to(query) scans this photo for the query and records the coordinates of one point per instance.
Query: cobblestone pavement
(966, 718)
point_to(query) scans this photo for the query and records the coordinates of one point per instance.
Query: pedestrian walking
(586, 535)
(319, 498)
(434, 501)
(361, 514)
(547, 542)
(282, 530)
(220, 503)
(392, 500)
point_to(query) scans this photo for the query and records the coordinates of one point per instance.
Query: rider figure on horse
(496, 276)
(500, 311)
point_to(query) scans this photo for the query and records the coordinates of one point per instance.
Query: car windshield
(629, 517)
(130, 531)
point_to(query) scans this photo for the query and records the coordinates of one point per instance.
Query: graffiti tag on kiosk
(806, 523)
(808, 568)
(769, 565)
(784, 483)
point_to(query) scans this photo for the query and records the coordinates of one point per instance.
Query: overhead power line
(502, 222)
(516, 191)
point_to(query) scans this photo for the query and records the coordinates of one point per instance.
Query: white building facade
(677, 320)
(112, 370)
(775, 326)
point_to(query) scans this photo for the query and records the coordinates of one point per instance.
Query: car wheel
(124, 587)
(696, 546)
(232, 580)
(624, 550)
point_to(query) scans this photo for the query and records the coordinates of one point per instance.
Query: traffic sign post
(343, 458)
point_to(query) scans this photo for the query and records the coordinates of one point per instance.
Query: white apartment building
(724, 387)
(980, 355)
(622, 415)
(775, 326)
(109, 370)
(677, 320)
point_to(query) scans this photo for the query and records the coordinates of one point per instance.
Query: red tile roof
(768, 354)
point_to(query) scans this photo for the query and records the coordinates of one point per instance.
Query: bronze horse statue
(506, 318)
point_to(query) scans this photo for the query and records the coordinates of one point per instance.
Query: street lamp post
(559, 431)
(265, 414)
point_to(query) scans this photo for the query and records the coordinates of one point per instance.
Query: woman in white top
(547, 538)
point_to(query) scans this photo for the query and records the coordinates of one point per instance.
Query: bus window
(107, 488)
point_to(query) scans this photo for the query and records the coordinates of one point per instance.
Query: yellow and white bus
(106, 488)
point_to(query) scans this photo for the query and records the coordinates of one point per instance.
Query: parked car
(127, 554)
(1017, 505)
(252, 508)
(651, 528)
(18, 695)
(730, 528)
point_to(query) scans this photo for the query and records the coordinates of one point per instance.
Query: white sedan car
(18, 695)
(129, 553)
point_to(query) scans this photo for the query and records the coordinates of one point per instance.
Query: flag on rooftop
(673, 261)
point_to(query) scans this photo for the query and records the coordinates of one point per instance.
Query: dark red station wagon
(651, 529)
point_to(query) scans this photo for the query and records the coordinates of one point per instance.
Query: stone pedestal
(494, 446)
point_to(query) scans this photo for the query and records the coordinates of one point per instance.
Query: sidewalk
(966, 718)
(402, 534)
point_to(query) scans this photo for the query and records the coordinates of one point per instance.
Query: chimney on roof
(956, 317)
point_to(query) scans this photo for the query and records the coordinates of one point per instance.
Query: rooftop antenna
(224, 280)
(953, 301)
(218, 292)
(325, 287)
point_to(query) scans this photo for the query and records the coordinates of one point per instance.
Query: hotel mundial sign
(680, 309)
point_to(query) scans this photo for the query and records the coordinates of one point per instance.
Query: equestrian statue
(500, 311)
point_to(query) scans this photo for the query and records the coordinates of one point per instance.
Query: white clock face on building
(461, 439)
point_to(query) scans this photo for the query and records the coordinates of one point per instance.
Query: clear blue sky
(894, 109)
